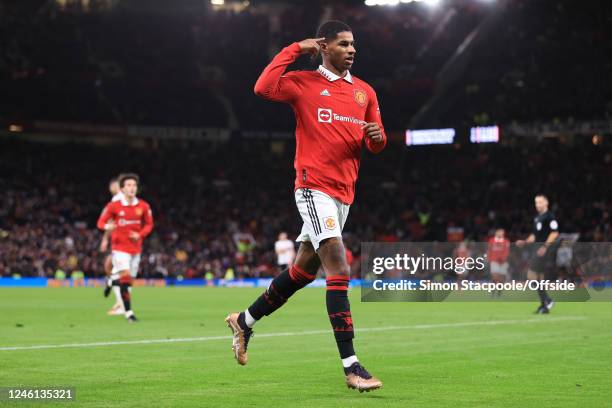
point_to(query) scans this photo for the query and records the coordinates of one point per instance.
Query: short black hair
(128, 176)
(113, 180)
(331, 28)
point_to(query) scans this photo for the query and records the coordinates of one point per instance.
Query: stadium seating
(53, 194)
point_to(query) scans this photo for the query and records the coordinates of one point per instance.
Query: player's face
(113, 187)
(541, 204)
(129, 188)
(340, 52)
(499, 234)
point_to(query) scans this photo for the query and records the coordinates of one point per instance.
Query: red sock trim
(297, 274)
(337, 278)
(126, 280)
(337, 282)
(342, 288)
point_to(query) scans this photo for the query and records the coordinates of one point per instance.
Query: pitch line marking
(281, 334)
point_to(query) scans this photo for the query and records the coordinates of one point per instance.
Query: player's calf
(125, 283)
(333, 259)
(114, 285)
(280, 290)
(108, 267)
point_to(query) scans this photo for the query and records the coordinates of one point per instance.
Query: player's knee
(311, 266)
(333, 257)
(308, 260)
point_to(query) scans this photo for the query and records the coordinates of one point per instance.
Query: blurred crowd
(552, 61)
(219, 208)
(186, 64)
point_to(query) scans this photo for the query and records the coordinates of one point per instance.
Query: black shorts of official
(545, 265)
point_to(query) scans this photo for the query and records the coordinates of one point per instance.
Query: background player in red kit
(497, 252)
(335, 114)
(131, 221)
(117, 309)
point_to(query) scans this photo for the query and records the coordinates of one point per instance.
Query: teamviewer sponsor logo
(324, 115)
(123, 222)
(327, 116)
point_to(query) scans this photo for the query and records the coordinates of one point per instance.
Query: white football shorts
(324, 217)
(499, 268)
(122, 261)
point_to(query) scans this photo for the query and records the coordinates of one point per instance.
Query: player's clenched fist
(373, 131)
(311, 45)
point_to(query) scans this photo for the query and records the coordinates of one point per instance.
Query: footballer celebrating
(336, 114)
(130, 220)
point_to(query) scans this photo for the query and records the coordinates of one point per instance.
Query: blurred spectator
(285, 251)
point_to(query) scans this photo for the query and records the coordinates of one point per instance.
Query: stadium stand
(52, 195)
(133, 65)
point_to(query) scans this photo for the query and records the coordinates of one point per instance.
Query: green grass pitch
(427, 354)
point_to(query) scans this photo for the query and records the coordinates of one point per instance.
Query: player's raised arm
(275, 86)
(374, 132)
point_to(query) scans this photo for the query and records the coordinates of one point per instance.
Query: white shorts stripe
(311, 211)
(314, 209)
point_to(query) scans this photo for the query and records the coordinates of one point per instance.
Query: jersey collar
(125, 203)
(331, 77)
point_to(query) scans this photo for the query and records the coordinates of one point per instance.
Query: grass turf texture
(520, 363)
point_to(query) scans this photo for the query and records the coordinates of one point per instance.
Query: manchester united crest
(138, 212)
(329, 222)
(360, 97)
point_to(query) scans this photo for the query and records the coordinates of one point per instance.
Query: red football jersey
(498, 250)
(135, 217)
(329, 112)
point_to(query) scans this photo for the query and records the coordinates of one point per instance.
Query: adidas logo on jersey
(325, 92)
